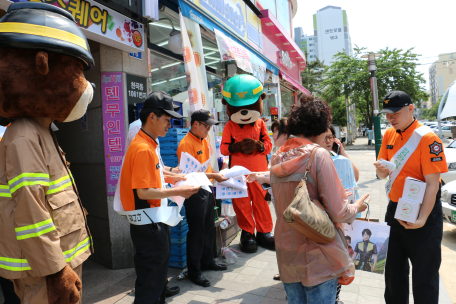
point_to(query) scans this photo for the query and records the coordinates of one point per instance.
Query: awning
(192, 12)
(279, 36)
(294, 83)
(449, 98)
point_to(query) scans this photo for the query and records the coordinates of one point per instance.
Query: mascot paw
(236, 147)
(63, 286)
(249, 145)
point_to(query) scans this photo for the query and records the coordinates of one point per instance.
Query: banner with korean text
(113, 126)
(103, 22)
(196, 44)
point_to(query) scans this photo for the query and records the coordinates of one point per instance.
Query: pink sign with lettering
(113, 126)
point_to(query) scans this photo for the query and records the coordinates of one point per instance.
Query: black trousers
(151, 262)
(199, 210)
(8, 292)
(423, 247)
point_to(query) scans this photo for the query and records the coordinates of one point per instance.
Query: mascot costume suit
(246, 140)
(44, 234)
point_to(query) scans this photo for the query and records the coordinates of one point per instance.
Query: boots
(266, 240)
(248, 243)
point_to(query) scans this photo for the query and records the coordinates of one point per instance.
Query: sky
(429, 27)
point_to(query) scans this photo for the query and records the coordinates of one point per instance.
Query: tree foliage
(431, 113)
(348, 76)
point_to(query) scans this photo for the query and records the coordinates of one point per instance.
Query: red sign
(274, 111)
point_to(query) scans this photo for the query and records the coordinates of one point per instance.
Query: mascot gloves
(242, 90)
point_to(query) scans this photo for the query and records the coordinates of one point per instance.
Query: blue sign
(137, 55)
(191, 12)
(228, 12)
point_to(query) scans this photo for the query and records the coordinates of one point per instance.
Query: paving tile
(244, 278)
(237, 286)
(248, 298)
(272, 266)
(266, 273)
(251, 271)
(351, 288)
(371, 282)
(273, 301)
(212, 291)
(276, 293)
(266, 281)
(257, 264)
(365, 299)
(258, 289)
(265, 258)
(348, 296)
(202, 299)
(371, 291)
(230, 295)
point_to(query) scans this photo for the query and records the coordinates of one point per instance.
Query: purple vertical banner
(113, 126)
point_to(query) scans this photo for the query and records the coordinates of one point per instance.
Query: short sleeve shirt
(141, 170)
(196, 147)
(428, 158)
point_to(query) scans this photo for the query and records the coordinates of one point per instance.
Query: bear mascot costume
(44, 233)
(246, 140)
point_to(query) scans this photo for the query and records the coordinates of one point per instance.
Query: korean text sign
(113, 126)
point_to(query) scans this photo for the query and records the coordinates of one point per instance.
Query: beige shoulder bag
(306, 217)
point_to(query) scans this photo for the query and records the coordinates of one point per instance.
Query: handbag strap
(309, 163)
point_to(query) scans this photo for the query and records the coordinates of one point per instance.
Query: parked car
(446, 131)
(450, 155)
(449, 202)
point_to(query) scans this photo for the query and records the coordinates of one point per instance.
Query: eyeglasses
(208, 127)
(330, 138)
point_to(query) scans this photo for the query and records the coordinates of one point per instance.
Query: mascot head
(243, 96)
(43, 55)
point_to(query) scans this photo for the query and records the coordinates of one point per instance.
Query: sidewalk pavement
(360, 143)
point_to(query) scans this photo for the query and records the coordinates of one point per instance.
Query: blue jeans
(325, 293)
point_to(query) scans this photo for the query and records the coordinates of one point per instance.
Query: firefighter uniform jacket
(233, 133)
(42, 222)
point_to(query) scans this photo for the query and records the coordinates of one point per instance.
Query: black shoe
(248, 242)
(172, 291)
(277, 277)
(214, 266)
(200, 280)
(266, 240)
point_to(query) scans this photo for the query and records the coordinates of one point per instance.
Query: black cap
(162, 100)
(394, 101)
(42, 26)
(204, 116)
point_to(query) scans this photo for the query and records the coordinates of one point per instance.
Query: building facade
(442, 73)
(331, 35)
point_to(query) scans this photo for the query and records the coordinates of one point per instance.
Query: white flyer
(235, 172)
(224, 192)
(238, 182)
(188, 163)
(193, 179)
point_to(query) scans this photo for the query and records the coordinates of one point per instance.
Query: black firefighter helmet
(41, 26)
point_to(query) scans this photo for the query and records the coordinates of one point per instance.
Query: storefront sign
(113, 126)
(274, 114)
(285, 59)
(102, 21)
(258, 67)
(136, 89)
(137, 55)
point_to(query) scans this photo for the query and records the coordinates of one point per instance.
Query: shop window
(287, 101)
(283, 14)
(270, 5)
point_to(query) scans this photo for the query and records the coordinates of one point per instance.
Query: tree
(348, 76)
(431, 113)
(312, 74)
(339, 111)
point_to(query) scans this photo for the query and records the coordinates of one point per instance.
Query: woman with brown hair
(309, 270)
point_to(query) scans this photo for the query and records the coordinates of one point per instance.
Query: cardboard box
(414, 190)
(407, 211)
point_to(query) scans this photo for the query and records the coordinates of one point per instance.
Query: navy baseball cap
(204, 116)
(162, 100)
(394, 101)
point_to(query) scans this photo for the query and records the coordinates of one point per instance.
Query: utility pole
(347, 110)
(372, 63)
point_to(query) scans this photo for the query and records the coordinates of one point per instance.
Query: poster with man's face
(367, 245)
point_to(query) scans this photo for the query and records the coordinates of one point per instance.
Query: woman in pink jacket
(309, 270)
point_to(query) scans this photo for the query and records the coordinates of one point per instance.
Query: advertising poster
(231, 50)
(103, 21)
(368, 245)
(113, 126)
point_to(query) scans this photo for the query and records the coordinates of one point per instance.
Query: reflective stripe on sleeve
(80, 248)
(34, 230)
(28, 179)
(14, 264)
(59, 184)
(5, 191)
